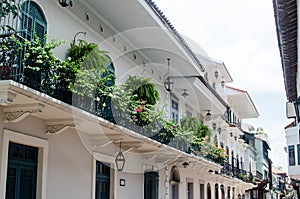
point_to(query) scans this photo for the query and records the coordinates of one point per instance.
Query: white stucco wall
(292, 139)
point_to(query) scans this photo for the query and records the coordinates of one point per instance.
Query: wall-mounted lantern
(120, 160)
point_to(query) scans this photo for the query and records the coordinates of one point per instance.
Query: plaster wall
(292, 139)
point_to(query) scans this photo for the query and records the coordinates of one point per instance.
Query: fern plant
(142, 89)
(89, 69)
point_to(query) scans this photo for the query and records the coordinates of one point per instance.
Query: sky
(242, 34)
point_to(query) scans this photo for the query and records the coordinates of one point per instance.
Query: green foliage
(171, 127)
(87, 66)
(8, 7)
(217, 154)
(244, 177)
(10, 49)
(40, 58)
(260, 131)
(137, 97)
(197, 127)
(142, 89)
(89, 55)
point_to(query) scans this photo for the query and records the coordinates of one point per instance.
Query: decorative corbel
(16, 113)
(59, 126)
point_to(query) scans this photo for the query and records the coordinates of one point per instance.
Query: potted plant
(87, 75)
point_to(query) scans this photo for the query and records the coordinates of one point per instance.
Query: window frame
(113, 172)
(189, 195)
(26, 12)
(291, 152)
(42, 165)
(173, 110)
(298, 153)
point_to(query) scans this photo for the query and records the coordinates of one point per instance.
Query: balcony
(236, 172)
(13, 67)
(232, 119)
(259, 175)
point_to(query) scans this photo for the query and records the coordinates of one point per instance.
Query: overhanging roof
(242, 101)
(286, 19)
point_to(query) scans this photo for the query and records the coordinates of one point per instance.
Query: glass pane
(27, 183)
(11, 183)
(291, 155)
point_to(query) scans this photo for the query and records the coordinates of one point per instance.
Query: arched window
(228, 192)
(174, 183)
(222, 192)
(216, 191)
(33, 21)
(208, 191)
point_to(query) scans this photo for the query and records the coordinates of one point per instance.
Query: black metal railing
(236, 172)
(231, 118)
(12, 67)
(259, 175)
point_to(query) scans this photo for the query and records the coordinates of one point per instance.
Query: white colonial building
(53, 147)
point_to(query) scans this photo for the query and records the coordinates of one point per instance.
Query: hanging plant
(142, 89)
(142, 100)
(89, 69)
(194, 124)
(88, 54)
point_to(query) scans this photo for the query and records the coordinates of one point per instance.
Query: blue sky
(243, 35)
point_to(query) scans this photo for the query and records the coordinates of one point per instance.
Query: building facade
(60, 143)
(286, 18)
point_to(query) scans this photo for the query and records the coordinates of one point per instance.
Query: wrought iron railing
(236, 172)
(12, 67)
(259, 175)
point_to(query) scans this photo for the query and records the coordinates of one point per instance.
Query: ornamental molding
(16, 113)
(59, 126)
(6, 98)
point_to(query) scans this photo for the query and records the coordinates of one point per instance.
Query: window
(189, 112)
(228, 192)
(201, 191)
(190, 190)
(227, 153)
(21, 171)
(291, 155)
(107, 109)
(102, 181)
(208, 191)
(298, 152)
(174, 182)
(24, 166)
(222, 192)
(216, 191)
(151, 185)
(174, 109)
(33, 21)
(237, 162)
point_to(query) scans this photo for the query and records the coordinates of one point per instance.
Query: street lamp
(120, 160)
(169, 84)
